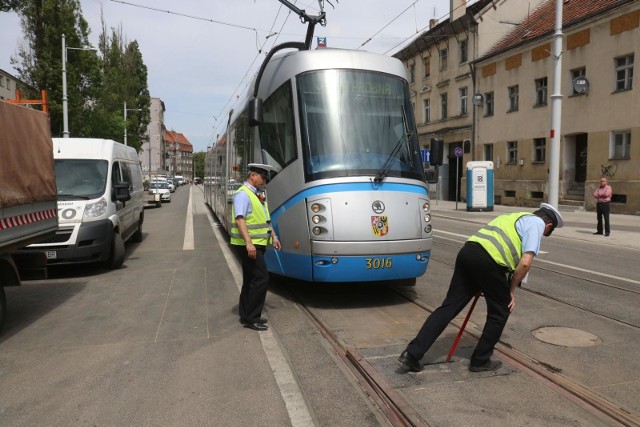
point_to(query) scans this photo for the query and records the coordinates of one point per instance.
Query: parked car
(172, 186)
(161, 188)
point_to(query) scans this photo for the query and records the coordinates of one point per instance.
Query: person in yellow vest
(493, 261)
(250, 235)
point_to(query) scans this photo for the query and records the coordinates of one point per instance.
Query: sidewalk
(625, 229)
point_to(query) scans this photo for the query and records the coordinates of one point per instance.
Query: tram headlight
(317, 230)
(427, 229)
(317, 219)
(316, 207)
(427, 217)
(426, 207)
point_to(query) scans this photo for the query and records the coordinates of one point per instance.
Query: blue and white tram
(348, 198)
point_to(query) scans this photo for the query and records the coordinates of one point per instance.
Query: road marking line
(188, 244)
(289, 390)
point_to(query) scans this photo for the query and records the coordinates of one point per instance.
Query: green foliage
(198, 164)
(98, 85)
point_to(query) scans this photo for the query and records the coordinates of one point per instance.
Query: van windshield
(81, 178)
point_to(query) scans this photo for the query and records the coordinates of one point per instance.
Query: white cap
(554, 212)
(261, 169)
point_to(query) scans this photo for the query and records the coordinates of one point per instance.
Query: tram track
(392, 406)
(398, 412)
(552, 378)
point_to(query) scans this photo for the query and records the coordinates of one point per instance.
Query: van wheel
(158, 204)
(116, 258)
(3, 306)
(137, 236)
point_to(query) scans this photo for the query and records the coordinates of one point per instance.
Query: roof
(441, 31)
(541, 22)
(177, 137)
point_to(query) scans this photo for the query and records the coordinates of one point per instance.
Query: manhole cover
(567, 337)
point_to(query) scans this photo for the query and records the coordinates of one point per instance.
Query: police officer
(250, 235)
(493, 261)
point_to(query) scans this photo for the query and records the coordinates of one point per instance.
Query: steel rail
(550, 377)
(397, 411)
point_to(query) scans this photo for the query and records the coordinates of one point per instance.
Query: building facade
(600, 124)
(179, 153)
(441, 69)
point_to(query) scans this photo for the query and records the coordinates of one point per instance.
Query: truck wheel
(158, 204)
(116, 258)
(3, 306)
(137, 236)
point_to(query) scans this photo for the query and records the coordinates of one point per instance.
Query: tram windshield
(357, 123)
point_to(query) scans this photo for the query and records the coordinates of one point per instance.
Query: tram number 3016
(378, 263)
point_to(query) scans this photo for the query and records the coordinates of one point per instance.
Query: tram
(347, 198)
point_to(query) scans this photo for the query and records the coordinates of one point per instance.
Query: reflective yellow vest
(501, 240)
(256, 222)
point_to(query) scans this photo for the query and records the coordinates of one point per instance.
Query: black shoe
(488, 366)
(596, 233)
(409, 362)
(256, 326)
(260, 320)
(606, 234)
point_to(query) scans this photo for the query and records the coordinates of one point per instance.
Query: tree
(198, 164)
(97, 88)
(39, 61)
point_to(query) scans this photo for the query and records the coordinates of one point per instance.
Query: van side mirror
(121, 192)
(255, 112)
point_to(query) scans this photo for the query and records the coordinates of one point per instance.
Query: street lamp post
(125, 121)
(65, 108)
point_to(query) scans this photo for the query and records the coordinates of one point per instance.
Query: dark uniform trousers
(255, 281)
(475, 271)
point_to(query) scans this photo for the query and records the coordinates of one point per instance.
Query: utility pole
(556, 111)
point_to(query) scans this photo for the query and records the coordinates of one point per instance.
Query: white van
(100, 202)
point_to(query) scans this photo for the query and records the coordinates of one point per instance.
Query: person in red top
(603, 199)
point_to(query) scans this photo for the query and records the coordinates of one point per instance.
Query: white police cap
(553, 211)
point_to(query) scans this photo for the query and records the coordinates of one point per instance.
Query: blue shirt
(531, 229)
(241, 203)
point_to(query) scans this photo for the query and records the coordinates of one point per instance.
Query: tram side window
(277, 133)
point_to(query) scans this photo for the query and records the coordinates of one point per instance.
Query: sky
(201, 55)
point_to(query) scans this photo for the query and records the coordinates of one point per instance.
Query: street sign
(426, 155)
(457, 151)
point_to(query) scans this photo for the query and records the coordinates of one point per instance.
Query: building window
(539, 150)
(488, 104)
(512, 152)
(464, 97)
(578, 72)
(464, 50)
(624, 72)
(427, 66)
(443, 58)
(426, 107)
(443, 106)
(513, 98)
(488, 152)
(541, 91)
(620, 147)
(1, 81)
(412, 73)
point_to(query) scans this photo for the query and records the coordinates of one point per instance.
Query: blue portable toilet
(479, 186)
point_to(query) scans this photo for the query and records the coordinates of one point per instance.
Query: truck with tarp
(28, 192)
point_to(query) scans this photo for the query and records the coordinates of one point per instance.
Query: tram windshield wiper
(382, 173)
